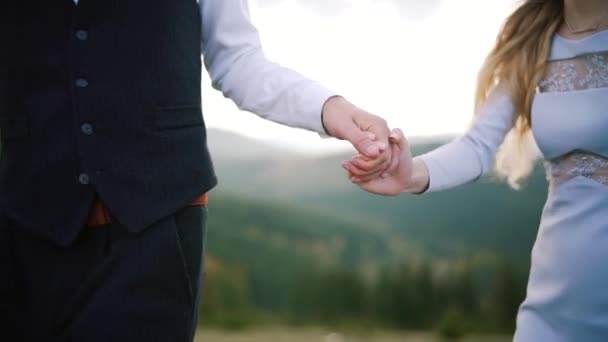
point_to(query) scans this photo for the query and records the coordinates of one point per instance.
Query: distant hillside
(274, 245)
(480, 217)
(228, 147)
(286, 264)
(238, 224)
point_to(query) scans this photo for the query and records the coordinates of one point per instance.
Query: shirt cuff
(316, 96)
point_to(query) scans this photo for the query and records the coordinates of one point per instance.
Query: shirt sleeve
(238, 68)
(472, 155)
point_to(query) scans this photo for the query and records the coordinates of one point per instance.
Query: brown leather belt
(100, 214)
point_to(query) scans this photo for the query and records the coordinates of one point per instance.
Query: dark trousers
(109, 286)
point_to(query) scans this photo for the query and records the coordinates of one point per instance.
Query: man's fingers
(368, 134)
(366, 146)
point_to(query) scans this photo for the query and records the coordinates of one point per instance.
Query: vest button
(87, 128)
(82, 35)
(84, 179)
(82, 83)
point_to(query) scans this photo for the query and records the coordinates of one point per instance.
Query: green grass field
(312, 335)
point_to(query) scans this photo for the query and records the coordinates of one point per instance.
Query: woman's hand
(396, 179)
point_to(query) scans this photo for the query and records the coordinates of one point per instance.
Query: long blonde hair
(518, 62)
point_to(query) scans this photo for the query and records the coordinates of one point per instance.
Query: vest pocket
(12, 128)
(173, 117)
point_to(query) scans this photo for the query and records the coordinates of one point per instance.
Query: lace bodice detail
(588, 71)
(582, 72)
(568, 119)
(578, 163)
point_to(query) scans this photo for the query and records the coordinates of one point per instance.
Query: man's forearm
(240, 70)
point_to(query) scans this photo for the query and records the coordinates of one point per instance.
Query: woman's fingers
(352, 171)
(396, 151)
(363, 163)
(397, 137)
(398, 145)
(386, 181)
(358, 168)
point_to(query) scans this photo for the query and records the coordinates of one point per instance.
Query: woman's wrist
(419, 182)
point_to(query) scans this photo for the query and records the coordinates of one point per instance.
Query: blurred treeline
(401, 298)
(287, 266)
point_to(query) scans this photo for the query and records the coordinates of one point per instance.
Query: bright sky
(417, 74)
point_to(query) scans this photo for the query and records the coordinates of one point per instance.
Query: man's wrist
(327, 110)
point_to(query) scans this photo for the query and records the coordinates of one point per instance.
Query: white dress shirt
(238, 68)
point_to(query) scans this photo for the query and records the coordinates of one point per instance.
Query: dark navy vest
(103, 97)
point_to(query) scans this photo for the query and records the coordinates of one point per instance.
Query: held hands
(384, 164)
(369, 134)
(397, 178)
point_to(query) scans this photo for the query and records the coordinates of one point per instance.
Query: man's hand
(366, 132)
(398, 176)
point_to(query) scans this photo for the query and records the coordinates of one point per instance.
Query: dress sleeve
(472, 155)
